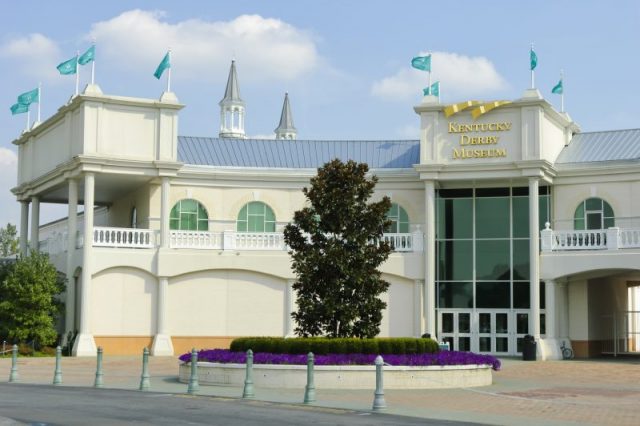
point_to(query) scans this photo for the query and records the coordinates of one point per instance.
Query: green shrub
(25, 349)
(48, 351)
(324, 346)
(369, 346)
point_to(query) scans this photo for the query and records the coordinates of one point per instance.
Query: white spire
(286, 129)
(232, 108)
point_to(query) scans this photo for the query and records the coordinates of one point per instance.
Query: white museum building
(507, 221)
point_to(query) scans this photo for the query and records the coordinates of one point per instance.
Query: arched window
(256, 217)
(399, 220)
(593, 213)
(189, 215)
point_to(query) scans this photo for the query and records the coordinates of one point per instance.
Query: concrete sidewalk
(523, 393)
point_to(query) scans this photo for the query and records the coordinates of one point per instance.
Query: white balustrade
(399, 242)
(123, 237)
(629, 238)
(613, 238)
(195, 240)
(259, 241)
(206, 240)
(580, 240)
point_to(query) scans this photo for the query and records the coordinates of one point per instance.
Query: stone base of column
(84, 345)
(162, 345)
(549, 349)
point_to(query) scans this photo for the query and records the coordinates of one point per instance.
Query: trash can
(528, 348)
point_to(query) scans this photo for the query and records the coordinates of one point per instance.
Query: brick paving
(598, 392)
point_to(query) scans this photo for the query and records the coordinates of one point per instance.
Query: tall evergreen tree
(336, 250)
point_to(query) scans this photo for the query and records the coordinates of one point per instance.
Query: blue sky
(345, 64)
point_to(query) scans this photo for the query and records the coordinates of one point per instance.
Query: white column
(35, 223)
(164, 212)
(430, 260)
(85, 345)
(534, 259)
(72, 227)
(418, 323)
(550, 308)
(289, 306)
(24, 227)
(162, 344)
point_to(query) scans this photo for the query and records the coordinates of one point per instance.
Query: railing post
(193, 380)
(99, 382)
(546, 238)
(247, 392)
(417, 240)
(57, 374)
(229, 240)
(613, 238)
(378, 399)
(13, 376)
(144, 379)
(310, 389)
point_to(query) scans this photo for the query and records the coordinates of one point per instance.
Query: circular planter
(341, 376)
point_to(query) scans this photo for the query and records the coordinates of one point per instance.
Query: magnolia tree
(336, 250)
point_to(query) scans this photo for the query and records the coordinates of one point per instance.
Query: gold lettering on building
(463, 153)
(469, 138)
(478, 127)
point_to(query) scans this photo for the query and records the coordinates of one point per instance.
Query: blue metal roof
(613, 145)
(296, 154)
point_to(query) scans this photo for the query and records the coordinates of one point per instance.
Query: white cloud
(36, 54)
(459, 75)
(263, 47)
(8, 175)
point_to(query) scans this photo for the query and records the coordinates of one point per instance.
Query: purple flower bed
(225, 356)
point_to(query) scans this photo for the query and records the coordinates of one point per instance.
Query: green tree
(336, 250)
(8, 240)
(29, 303)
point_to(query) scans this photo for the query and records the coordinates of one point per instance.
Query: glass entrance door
(455, 327)
(493, 332)
(496, 331)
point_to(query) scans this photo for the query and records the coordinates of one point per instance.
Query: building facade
(506, 221)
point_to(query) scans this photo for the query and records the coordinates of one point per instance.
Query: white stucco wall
(123, 303)
(226, 303)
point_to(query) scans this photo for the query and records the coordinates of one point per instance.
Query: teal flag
(19, 108)
(27, 98)
(68, 67)
(166, 63)
(433, 90)
(422, 63)
(558, 88)
(533, 59)
(88, 56)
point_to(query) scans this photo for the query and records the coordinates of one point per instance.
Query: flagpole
(39, 99)
(533, 82)
(169, 74)
(430, 65)
(562, 94)
(28, 120)
(77, 73)
(93, 63)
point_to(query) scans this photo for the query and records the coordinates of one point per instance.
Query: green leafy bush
(323, 345)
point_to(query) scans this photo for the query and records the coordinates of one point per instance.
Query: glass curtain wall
(482, 243)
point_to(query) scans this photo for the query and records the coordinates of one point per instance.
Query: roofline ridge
(305, 140)
(608, 131)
